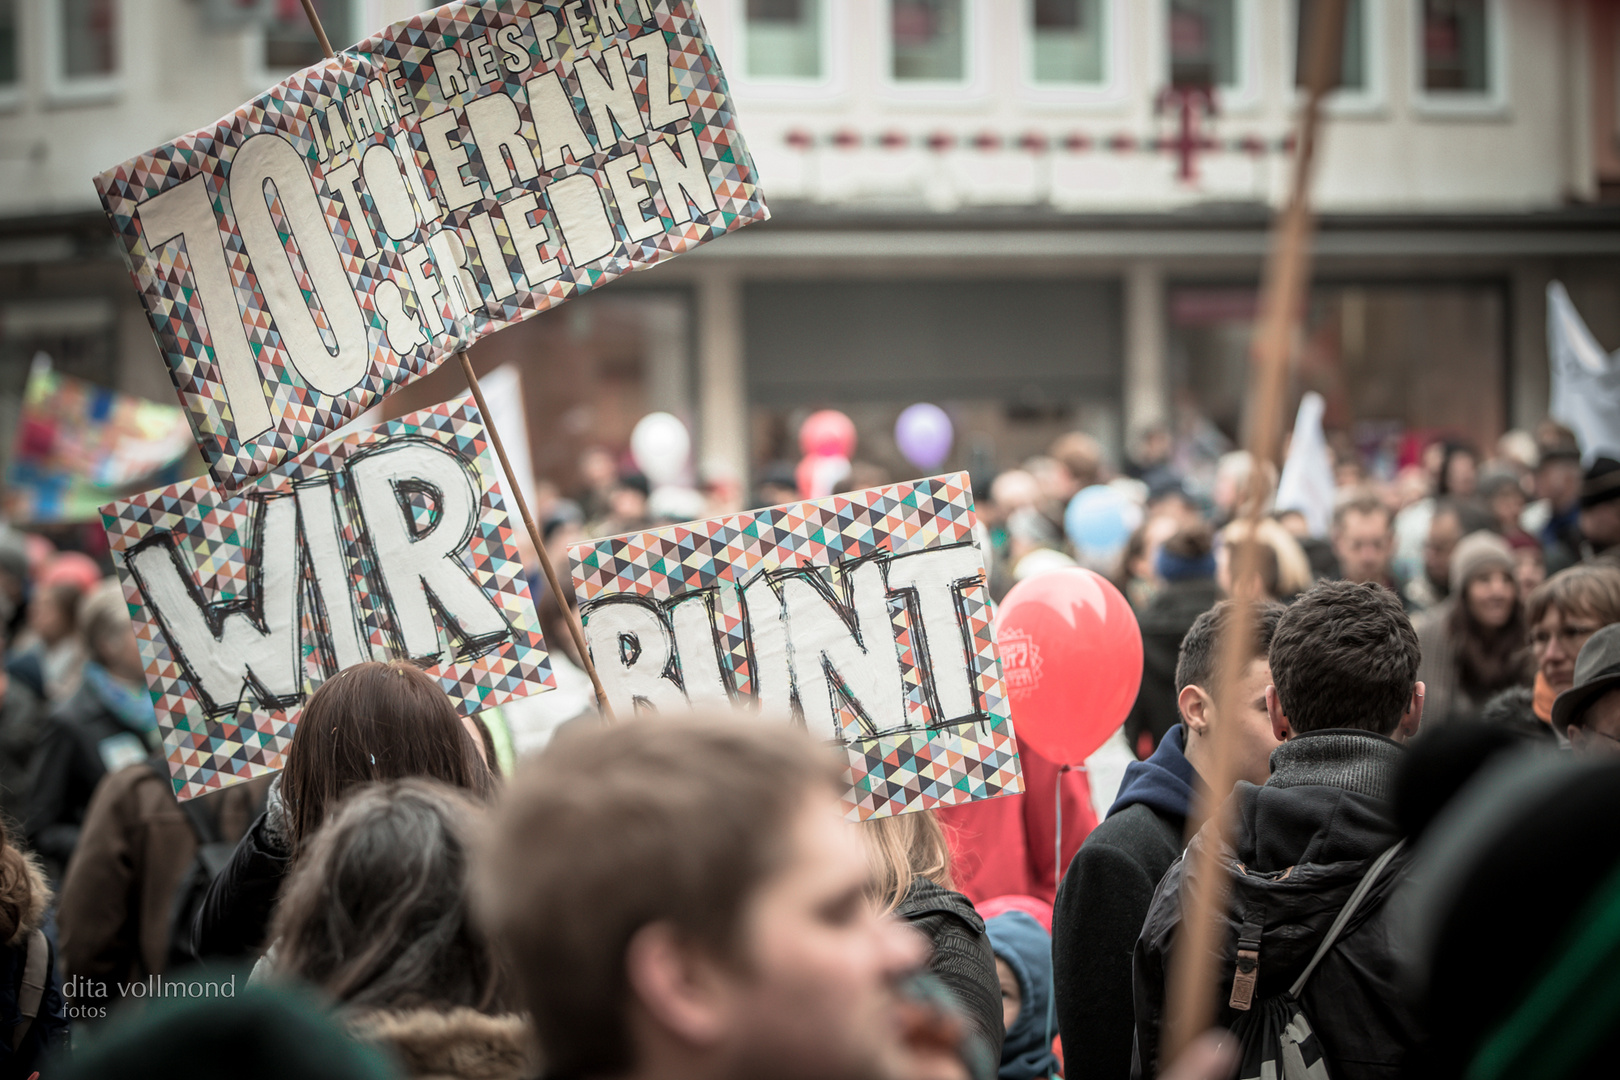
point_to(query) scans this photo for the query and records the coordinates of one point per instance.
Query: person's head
(108, 635)
(1502, 492)
(1588, 713)
(687, 893)
(1600, 503)
(1459, 471)
(1081, 455)
(1198, 690)
(902, 848)
(1453, 519)
(1558, 475)
(375, 721)
(53, 612)
(627, 499)
(1023, 952)
(1363, 538)
(1345, 656)
(1284, 568)
(1482, 577)
(597, 470)
(378, 912)
(1564, 612)
(1188, 554)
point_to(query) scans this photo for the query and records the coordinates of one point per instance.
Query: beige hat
(1477, 553)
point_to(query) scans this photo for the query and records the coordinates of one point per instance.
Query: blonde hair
(1293, 565)
(902, 848)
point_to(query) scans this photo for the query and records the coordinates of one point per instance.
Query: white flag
(1585, 379)
(1307, 478)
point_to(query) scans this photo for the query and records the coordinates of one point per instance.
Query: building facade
(1039, 214)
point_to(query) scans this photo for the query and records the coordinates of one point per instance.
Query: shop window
(1070, 41)
(1456, 46)
(783, 39)
(289, 40)
(81, 47)
(1203, 44)
(1353, 61)
(929, 40)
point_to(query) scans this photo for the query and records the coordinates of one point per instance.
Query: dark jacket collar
(1165, 782)
(925, 897)
(1345, 758)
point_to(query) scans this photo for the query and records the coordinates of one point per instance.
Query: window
(289, 40)
(783, 39)
(1353, 75)
(1204, 43)
(1456, 47)
(82, 59)
(1070, 41)
(929, 40)
(9, 75)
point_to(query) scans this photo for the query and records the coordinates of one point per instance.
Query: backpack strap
(1368, 880)
(33, 985)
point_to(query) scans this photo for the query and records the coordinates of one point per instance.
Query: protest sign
(384, 544)
(343, 233)
(866, 616)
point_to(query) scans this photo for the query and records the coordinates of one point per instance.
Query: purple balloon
(924, 435)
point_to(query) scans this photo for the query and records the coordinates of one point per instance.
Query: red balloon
(828, 433)
(1071, 658)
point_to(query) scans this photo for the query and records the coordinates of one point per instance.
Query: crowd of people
(1408, 878)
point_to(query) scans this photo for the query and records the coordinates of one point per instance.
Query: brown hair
(901, 849)
(23, 893)
(378, 912)
(1344, 656)
(617, 826)
(1580, 590)
(374, 721)
(1362, 502)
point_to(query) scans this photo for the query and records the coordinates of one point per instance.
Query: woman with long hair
(373, 721)
(378, 916)
(1562, 613)
(1474, 644)
(911, 874)
(33, 1017)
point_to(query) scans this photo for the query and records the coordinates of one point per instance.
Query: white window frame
(63, 90)
(1370, 99)
(1244, 97)
(1459, 103)
(834, 78)
(1111, 91)
(944, 93)
(258, 75)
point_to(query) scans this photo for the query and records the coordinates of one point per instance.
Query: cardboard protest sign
(866, 616)
(344, 232)
(388, 543)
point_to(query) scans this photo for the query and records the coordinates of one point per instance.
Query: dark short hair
(618, 826)
(1344, 656)
(1365, 502)
(1200, 659)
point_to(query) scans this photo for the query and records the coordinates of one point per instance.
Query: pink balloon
(828, 433)
(1071, 658)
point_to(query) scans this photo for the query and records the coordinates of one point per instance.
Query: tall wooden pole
(569, 615)
(1190, 997)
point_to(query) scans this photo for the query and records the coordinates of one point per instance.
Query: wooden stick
(1190, 998)
(569, 615)
(574, 629)
(320, 31)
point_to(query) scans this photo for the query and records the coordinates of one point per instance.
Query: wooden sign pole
(1193, 978)
(514, 488)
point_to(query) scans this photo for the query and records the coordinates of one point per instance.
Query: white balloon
(661, 446)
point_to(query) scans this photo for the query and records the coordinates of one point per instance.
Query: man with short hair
(1344, 662)
(1600, 510)
(683, 898)
(1588, 713)
(1364, 539)
(1110, 883)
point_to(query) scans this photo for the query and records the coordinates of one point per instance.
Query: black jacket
(961, 958)
(1164, 622)
(234, 919)
(1302, 843)
(1101, 905)
(82, 738)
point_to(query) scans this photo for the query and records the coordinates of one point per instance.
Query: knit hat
(1602, 482)
(1476, 554)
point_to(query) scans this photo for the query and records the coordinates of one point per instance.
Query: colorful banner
(384, 544)
(345, 232)
(79, 444)
(864, 616)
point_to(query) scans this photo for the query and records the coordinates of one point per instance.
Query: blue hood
(1018, 939)
(1164, 782)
